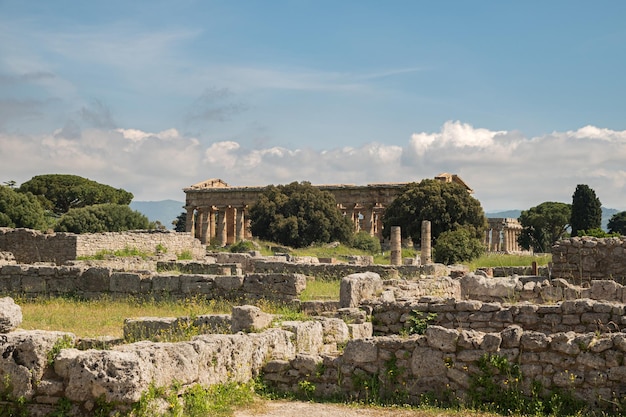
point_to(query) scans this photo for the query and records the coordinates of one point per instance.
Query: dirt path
(305, 409)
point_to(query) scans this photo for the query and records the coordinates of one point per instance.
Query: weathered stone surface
(442, 338)
(10, 315)
(358, 287)
(473, 285)
(24, 358)
(334, 330)
(360, 351)
(249, 318)
(308, 335)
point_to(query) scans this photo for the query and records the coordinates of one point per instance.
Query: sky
(522, 100)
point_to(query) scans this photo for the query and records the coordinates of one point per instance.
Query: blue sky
(524, 100)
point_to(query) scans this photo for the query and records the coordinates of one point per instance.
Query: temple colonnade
(502, 234)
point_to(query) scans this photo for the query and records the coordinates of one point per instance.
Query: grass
(105, 316)
(500, 260)
(321, 290)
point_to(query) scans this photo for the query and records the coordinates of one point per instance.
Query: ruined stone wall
(31, 246)
(40, 280)
(581, 260)
(444, 361)
(579, 315)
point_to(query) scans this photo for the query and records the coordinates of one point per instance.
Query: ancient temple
(216, 212)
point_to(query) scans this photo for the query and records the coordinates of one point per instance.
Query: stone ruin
(562, 333)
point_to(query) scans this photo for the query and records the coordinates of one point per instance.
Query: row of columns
(365, 218)
(503, 237)
(218, 225)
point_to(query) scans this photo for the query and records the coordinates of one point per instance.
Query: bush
(102, 218)
(456, 246)
(242, 246)
(366, 242)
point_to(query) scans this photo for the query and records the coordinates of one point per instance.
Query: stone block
(358, 287)
(308, 335)
(249, 319)
(196, 284)
(95, 280)
(163, 283)
(361, 330)
(229, 283)
(125, 282)
(10, 315)
(360, 351)
(334, 330)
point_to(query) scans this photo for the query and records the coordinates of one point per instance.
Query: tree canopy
(102, 218)
(543, 225)
(60, 192)
(617, 223)
(20, 209)
(298, 215)
(454, 246)
(447, 205)
(586, 210)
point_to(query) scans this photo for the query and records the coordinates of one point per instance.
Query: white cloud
(506, 169)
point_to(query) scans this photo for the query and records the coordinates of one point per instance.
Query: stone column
(396, 245)
(222, 231)
(368, 220)
(212, 220)
(378, 224)
(240, 226)
(495, 240)
(203, 223)
(189, 221)
(426, 250)
(350, 215)
(231, 214)
(505, 240)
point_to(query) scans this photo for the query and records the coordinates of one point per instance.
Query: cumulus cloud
(506, 169)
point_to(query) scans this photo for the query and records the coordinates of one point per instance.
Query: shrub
(366, 242)
(456, 246)
(242, 246)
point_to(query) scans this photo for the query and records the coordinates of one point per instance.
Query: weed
(185, 255)
(64, 342)
(306, 388)
(418, 321)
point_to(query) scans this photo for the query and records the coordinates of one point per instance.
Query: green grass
(321, 290)
(501, 260)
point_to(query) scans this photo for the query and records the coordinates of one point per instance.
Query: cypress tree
(586, 210)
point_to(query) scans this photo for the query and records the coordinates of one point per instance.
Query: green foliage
(490, 259)
(617, 223)
(196, 401)
(60, 193)
(298, 215)
(102, 218)
(418, 321)
(20, 210)
(180, 222)
(455, 246)
(597, 233)
(185, 255)
(242, 246)
(447, 206)
(64, 342)
(543, 225)
(366, 242)
(586, 210)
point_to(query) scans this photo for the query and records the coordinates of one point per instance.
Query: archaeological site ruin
(404, 332)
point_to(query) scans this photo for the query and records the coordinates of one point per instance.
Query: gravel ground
(305, 409)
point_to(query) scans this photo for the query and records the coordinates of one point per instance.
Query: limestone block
(196, 284)
(166, 283)
(534, 341)
(10, 315)
(249, 318)
(213, 323)
(147, 328)
(96, 280)
(358, 287)
(511, 336)
(426, 362)
(24, 359)
(361, 330)
(124, 282)
(360, 351)
(565, 343)
(309, 335)
(436, 270)
(604, 290)
(479, 287)
(33, 284)
(334, 330)
(442, 338)
(229, 283)
(274, 285)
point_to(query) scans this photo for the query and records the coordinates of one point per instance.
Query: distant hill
(607, 213)
(164, 211)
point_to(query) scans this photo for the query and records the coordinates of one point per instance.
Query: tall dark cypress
(586, 210)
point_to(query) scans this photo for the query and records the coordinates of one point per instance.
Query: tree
(455, 246)
(60, 192)
(447, 205)
(543, 225)
(20, 210)
(586, 210)
(298, 215)
(180, 222)
(617, 223)
(102, 218)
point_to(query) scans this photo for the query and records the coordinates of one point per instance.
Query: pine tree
(586, 210)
